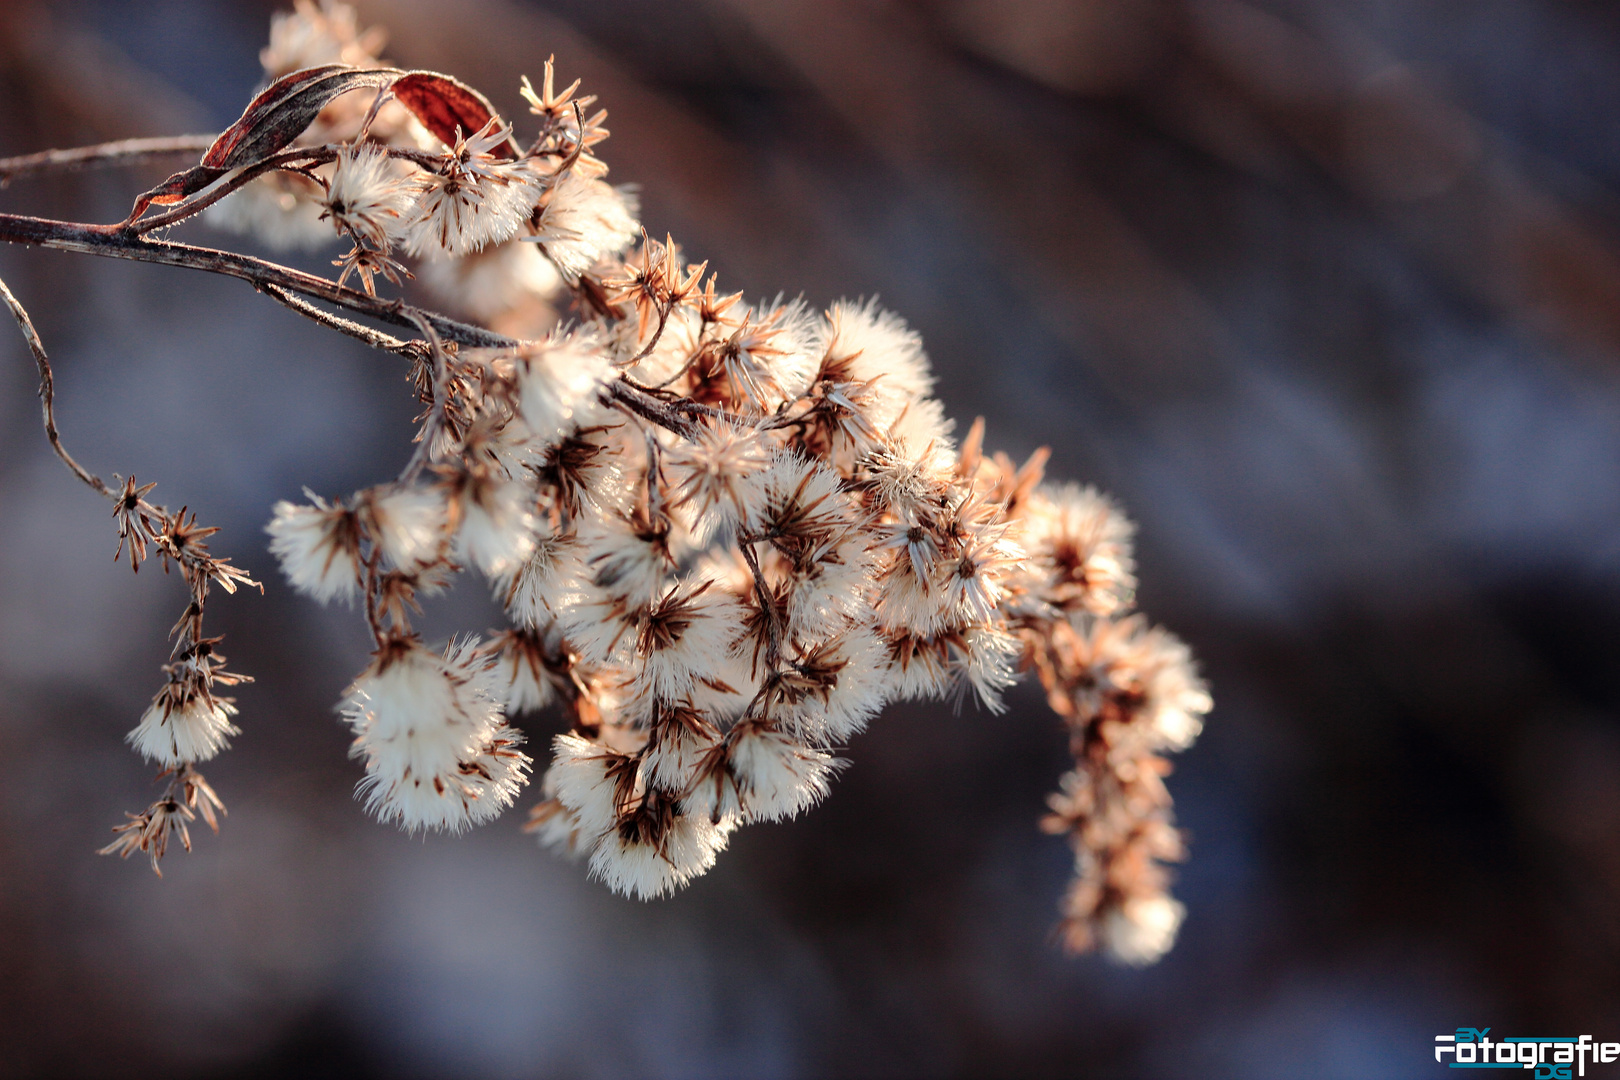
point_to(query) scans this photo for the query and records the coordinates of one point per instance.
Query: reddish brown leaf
(444, 104)
(281, 113)
(285, 110)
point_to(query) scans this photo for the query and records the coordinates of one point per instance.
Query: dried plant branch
(110, 242)
(103, 155)
(299, 159)
(649, 406)
(805, 544)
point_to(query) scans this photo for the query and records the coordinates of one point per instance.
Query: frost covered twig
(725, 534)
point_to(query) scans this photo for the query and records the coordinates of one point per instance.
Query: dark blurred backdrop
(1327, 292)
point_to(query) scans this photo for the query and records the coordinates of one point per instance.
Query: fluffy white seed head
(919, 667)
(834, 588)
(803, 499)
(861, 342)
(921, 425)
(760, 774)
(583, 221)
(1151, 665)
(987, 662)
(1081, 543)
(1142, 929)
(975, 577)
(183, 725)
(717, 476)
(554, 827)
(318, 547)
(627, 559)
(535, 591)
(830, 689)
(682, 638)
(502, 283)
(490, 780)
(474, 200)
(788, 336)
(311, 35)
(430, 732)
(282, 210)
(659, 857)
(366, 198)
(908, 598)
(680, 740)
(1176, 696)
(591, 781)
(410, 525)
(559, 382)
(519, 671)
(497, 526)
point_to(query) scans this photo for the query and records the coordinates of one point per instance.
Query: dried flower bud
(654, 848)
(496, 526)
(1082, 543)
(758, 773)
(410, 526)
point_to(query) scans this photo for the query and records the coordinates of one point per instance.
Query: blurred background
(1327, 292)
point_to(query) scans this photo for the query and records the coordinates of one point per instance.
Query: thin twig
(108, 241)
(430, 430)
(103, 155)
(651, 408)
(646, 351)
(47, 391)
(375, 338)
(373, 599)
(773, 632)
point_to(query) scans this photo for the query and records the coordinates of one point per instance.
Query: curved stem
(102, 155)
(47, 391)
(307, 156)
(435, 421)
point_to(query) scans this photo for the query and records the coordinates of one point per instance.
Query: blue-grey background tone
(1327, 292)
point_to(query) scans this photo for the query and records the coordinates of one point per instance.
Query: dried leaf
(285, 110)
(281, 113)
(443, 104)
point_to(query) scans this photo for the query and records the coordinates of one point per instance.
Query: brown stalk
(102, 155)
(47, 391)
(108, 241)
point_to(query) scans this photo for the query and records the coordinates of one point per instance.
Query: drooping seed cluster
(725, 534)
(188, 721)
